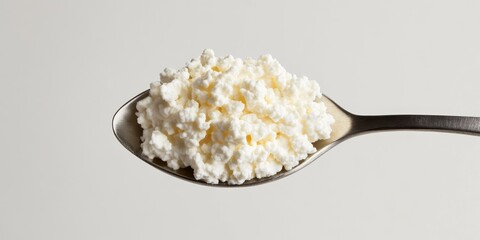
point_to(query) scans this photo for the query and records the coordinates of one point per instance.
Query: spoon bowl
(128, 132)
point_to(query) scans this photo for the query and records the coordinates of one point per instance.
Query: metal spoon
(347, 125)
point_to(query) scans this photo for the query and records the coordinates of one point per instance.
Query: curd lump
(232, 119)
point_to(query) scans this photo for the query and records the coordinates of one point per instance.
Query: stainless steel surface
(128, 132)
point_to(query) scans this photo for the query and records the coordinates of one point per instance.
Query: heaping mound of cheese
(232, 119)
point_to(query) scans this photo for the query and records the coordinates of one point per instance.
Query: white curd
(232, 119)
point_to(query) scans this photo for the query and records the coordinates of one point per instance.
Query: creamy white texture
(232, 119)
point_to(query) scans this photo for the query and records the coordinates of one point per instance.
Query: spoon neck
(453, 124)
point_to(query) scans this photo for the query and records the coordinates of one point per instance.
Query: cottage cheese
(232, 119)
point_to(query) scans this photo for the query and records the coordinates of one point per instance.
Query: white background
(66, 66)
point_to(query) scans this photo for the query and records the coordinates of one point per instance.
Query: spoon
(347, 125)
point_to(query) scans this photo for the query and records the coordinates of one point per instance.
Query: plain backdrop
(66, 66)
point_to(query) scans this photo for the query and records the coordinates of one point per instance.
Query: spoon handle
(452, 124)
